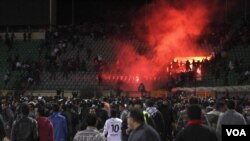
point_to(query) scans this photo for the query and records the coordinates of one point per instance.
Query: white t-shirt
(112, 127)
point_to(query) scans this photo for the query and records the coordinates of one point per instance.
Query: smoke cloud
(166, 29)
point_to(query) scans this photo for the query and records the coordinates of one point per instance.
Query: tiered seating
(108, 49)
(74, 80)
(24, 50)
(235, 53)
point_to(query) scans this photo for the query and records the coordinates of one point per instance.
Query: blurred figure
(112, 127)
(6, 78)
(24, 36)
(230, 117)
(2, 130)
(90, 133)
(123, 116)
(213, 115)
(8, 117)
(102, 113)
(32, 109)
(196, 130)
(29, 36)
(25, 128)
(140, 130)
(142, 89)
(123, 111)
(45, 128)
(157, 117)
(59, 124)
(183, 117)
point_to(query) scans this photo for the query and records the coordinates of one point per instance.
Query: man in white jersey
(112, 127)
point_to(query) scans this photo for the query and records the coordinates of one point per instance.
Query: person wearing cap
(195, 129)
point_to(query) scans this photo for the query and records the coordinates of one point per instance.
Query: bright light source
(190, 59)
(137, 79)
(199, 71)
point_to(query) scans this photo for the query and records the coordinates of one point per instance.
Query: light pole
(226, 7)
(50, 15)
(245, 10)
(73, 12)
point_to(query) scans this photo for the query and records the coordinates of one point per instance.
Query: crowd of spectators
(219, 41)
(164, 119)
(54, 55)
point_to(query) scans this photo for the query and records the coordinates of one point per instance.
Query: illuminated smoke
(168, 29)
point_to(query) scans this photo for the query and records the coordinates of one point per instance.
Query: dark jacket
(182, 121)
(144, 133)
(167, 113)
(103, 114)
(45, 129)
(8, 118)
(199, 132)
(24, 129)
(2, 130)
(124, 128)
(147, 119)
(158, 120)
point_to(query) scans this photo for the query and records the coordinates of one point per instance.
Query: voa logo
(236, 132)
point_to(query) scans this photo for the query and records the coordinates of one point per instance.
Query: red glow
(190, 59)
(169, 30)
(198, 74)
(137, 79)
(199, 71)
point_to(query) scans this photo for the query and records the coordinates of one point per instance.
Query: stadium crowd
(119, 118)
(53, 54)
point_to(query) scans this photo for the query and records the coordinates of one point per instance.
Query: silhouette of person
(142, 89)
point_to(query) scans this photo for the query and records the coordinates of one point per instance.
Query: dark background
(24, 12)
(36, 12)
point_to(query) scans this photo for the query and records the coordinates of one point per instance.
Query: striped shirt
(90, 134)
